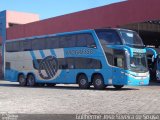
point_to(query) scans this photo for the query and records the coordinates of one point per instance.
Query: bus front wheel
(22, 80)
(31, 80)
(98, 82)
(83, 82)
(118, 87)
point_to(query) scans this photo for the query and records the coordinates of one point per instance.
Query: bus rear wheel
(83, 82)
(118, 87)
(22, 80)
(98, 82)
(31, 80)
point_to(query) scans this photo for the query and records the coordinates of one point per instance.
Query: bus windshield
(138, 63)
(130, 38)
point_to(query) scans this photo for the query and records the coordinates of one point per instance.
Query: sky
(51, 8)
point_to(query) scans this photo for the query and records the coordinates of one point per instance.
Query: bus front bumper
(137, 80)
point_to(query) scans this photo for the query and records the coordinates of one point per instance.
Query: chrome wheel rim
(22, 80)
(98, 82)
(83, 82)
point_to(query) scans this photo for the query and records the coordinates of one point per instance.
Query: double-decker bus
(98, 57)
(153, 57)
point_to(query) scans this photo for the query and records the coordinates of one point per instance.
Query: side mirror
(153, 58)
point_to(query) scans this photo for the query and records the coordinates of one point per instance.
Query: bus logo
(48, 67)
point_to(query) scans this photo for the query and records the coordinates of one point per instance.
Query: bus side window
(52, 42)
(38, 44)
(63, 42)
(71, 40)
(25, 45)
(119, 58)
(71, 63)
(9, 46)
(110, 58)
(90, 41)
(81, 40)
(15, 46)
(118, 61)
(94, 64)
(62, 63)
(85, 40)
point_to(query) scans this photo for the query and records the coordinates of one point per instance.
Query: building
(10, 19)
(139, 15)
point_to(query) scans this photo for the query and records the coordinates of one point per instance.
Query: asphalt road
(69, 99)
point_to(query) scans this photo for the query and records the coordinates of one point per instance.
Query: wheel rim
(98, 82)
(22, 80)
(31, 80)
(83, 82)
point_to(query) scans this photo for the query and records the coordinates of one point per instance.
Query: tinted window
(81, 41)
(110, 58)
(8, 46)
(95, 64)
(85, 40)
(71, 63)
(131, 38)
(12, 46)
(39, 44)
(87, 63)
(52, 42)
(62, 63)
(77, 40)
(119, 58)
(109, 37)
(25, 45)
(75, 63)
(90, 40)
(71, 39)
(63, 42)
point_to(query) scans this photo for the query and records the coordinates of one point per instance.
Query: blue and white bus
(98, 57)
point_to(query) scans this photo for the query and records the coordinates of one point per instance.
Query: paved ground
(69, 99)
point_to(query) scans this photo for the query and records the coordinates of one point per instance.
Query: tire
(22, 80)
(83, 82)
(31, 80)
(118, 87)
(98, 82)
(51, 84)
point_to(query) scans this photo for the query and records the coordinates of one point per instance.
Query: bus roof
(64, 33)
(50, 35)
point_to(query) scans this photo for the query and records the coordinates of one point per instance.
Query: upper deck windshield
(130, 38)
(109, 37)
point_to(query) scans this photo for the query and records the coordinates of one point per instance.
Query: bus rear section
(81, 57)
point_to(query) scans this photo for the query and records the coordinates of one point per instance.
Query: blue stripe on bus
(42, 53)
(53, 52)
(34, 58)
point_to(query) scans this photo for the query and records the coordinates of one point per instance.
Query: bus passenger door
(118, 69)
